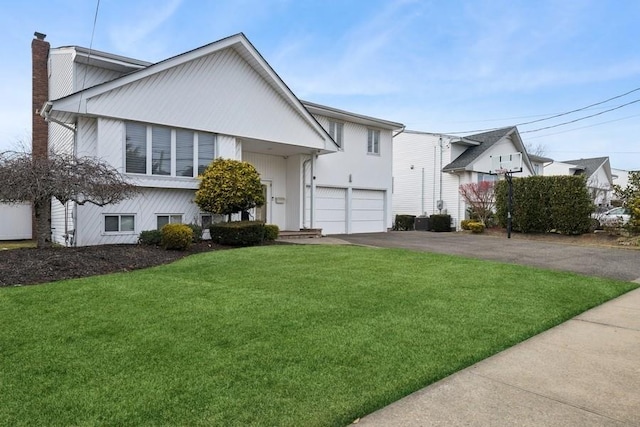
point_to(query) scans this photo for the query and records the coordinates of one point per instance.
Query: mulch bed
(30, 266)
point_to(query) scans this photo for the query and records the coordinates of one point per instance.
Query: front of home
(597, 172)
(429, 168)
(161, 124)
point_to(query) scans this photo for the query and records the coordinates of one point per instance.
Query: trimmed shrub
(440, 222)
(271, 232)
(464, 224)
(197, 232)
(238, 233)
(545, 203)
(404, 223)
(476, 227)
(150, 237)
(176, 236)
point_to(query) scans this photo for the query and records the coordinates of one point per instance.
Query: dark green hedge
(238, 233)
(545, 203)
(440, 222)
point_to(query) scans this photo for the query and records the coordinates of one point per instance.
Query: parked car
(616, 217)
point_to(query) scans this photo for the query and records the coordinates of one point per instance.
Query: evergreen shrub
(150, 237)
(271, 232)
(238, 233)
(176, 236)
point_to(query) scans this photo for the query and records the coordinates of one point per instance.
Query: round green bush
(176, 236)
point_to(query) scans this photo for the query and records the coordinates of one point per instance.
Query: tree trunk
(42, 211)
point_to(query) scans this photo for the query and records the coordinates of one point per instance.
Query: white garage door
(367, 211)
(331, 210)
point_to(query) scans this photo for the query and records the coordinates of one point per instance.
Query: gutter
(46, 109)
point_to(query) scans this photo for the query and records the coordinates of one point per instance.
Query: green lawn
(275, 335)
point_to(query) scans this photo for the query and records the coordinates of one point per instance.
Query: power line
(93, 31)
(581, 118)
(584, 127)
(558, 115)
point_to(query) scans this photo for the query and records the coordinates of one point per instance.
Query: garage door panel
(331, 210)
(367, 211)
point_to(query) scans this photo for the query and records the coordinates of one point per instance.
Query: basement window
(119, 223)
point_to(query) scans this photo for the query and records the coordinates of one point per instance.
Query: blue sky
(436, 66)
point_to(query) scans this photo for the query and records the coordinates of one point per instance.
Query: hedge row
(545, 203)
(243, 233)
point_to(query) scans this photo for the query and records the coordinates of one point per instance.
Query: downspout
(312, 199)
(304, 192)
(433, 199)
(422, 212)
(399, 132)
(440, 193)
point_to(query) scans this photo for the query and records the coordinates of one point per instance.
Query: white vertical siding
(274, 170)
(416, 173)
(294, 214)
(353, 168)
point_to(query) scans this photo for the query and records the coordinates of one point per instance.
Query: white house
(161, 124)
(15, 221)
(597, 171)
(429, 168)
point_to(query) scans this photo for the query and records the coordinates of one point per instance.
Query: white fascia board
(347, 116)
(77, 103)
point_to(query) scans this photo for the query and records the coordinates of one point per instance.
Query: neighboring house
(429, 168)
(161, 124)
(539, 163)
(597, 171)
(15, 221)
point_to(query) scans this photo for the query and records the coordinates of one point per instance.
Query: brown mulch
(28, 266)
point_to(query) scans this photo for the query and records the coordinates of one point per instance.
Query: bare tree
(481, 199)
(27, 178)
(536, 150)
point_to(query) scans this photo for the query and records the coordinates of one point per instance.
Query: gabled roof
(590, 166)
(486, 140)
(84, 102)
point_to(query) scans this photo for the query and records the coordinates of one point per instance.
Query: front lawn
(274, 335)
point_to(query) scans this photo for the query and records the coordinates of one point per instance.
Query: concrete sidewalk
(584, 372)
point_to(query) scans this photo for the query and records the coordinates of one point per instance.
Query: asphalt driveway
(610, 262)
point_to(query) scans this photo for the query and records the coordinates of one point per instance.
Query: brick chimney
(39, 94)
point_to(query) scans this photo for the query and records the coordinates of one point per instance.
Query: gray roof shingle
(590, 166)
(486, 140)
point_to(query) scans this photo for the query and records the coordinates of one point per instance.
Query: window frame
(170, 219)
(373, 142)
(120, 231)
(336, 131)
(149, 153)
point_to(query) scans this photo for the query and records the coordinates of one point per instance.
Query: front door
(263, 213)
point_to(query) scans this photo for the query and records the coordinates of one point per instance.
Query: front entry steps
(306, 233)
